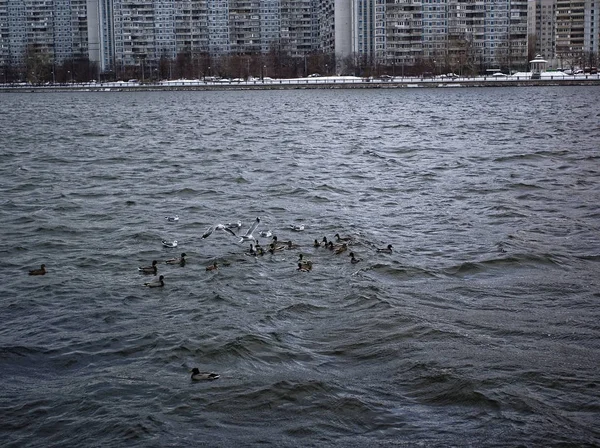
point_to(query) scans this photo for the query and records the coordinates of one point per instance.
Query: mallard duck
(157, 283)
(290, 245)
(149, 269)
(303, 267)
(338, 238)
(316, 243)
(301, 259)
(305, 263)
(341, 248)
(324, 242)
(212, 267)
(273, 248)
(169, 244)
(177, 260)
(386, 250)
(252, 250)
(202, 376)
(353, 260)
(40, 271)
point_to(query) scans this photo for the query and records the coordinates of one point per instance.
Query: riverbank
(330, 82)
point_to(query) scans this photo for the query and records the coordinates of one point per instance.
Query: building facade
(53, 30)
(439, 34)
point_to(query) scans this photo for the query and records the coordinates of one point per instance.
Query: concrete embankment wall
(288, 85)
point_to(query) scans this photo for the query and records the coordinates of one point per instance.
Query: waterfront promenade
(321, 82)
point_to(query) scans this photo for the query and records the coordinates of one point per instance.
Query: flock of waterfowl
(340, 246)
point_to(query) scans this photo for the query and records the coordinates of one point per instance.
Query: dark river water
(481, 328)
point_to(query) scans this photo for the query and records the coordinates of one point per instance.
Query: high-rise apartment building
(541, 25)
(466, 34)
(564, 32)
(577, 30)
(55, 30)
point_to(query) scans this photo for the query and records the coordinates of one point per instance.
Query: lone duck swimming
(386, 250)
(203, 376)
(40, 271)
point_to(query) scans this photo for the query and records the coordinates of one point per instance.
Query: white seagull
(234, 225)
(211, 229)
(298, 228)
(170, 244)
(248, 236)
(172, 218)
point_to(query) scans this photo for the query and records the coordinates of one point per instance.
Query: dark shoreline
(300, 85)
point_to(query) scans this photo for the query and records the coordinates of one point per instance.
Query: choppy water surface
(480, 329)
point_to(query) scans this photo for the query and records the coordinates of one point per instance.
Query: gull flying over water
(234, 225)
(211, 229)
(248, 235)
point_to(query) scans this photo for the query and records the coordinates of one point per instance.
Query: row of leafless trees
(39, 67)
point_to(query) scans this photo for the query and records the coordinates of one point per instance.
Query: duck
(253, 250)
(303, 267)
(301, 259)
(169, 244)
(305, 263)
(202, 376)
(273, 248)
(177, 260)
(297, 228)
(353, 260)
(338, 238)
(266, 234)
(172, 218)
(329, 245)
(290, 245)
(40, 271)
(149, 269)
(276, 244)
(212, 267)
(386, 250)
(156, 284)
(341, 248)
(316, 243)
(324, 242)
